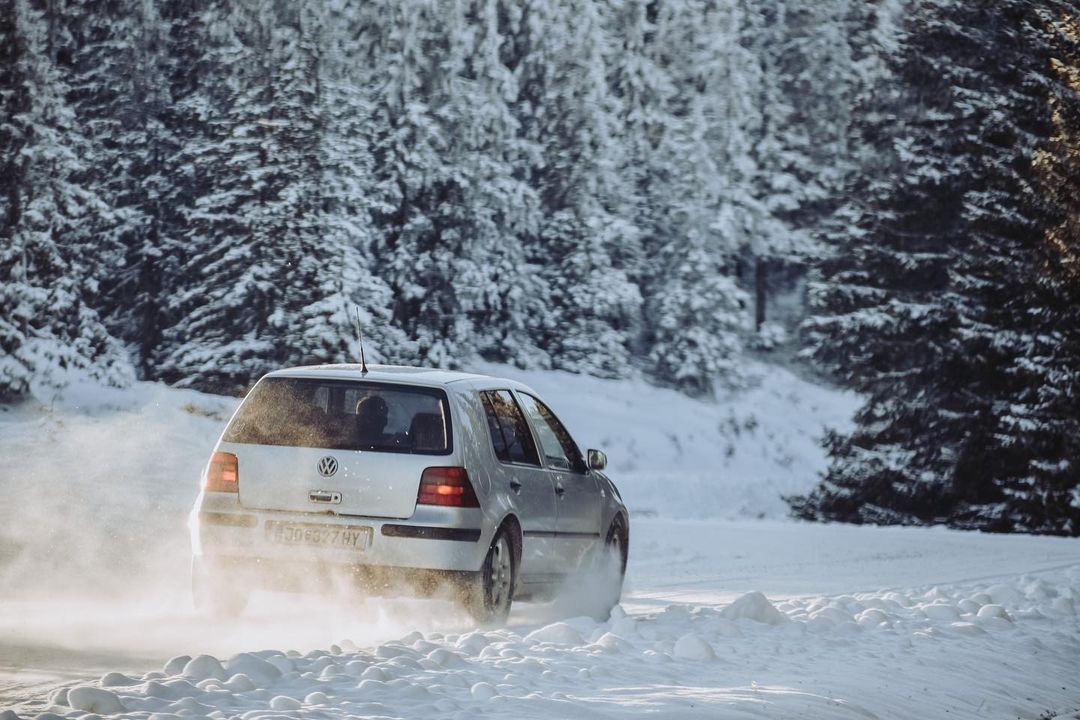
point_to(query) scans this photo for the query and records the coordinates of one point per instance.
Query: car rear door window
(560, 451)
(510, 436)
(344, 415)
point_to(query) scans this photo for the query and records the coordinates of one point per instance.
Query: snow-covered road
(729, 619)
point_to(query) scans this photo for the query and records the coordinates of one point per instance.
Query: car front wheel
(610, 571)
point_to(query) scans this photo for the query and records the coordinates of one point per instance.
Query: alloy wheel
(500, 567)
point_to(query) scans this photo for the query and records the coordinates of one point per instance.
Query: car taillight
(223, 473)
(446, 486)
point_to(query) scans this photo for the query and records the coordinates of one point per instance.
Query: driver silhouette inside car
(372, 413)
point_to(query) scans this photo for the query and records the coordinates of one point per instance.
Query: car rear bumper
(244, 573)
(435, 538)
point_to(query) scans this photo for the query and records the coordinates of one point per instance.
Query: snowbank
(885, 654)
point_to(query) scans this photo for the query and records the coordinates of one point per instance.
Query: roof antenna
(360, 335)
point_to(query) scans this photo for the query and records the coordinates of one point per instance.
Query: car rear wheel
(490, 592)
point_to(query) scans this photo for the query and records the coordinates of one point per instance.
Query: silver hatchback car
(399, 479)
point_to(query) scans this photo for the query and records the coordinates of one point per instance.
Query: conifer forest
(883, 194)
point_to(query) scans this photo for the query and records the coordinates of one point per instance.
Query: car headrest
(427, 432)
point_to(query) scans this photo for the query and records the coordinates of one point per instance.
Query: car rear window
(344, 415)
(510, 437)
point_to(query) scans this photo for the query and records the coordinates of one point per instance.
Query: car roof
(431, 377)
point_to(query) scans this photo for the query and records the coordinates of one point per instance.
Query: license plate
(336, 536)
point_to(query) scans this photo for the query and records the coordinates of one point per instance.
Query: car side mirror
(597, 460)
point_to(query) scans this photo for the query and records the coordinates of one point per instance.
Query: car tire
(610, 567)
(489, 593)
(215, 592)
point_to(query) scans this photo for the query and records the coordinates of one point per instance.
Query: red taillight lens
(446, 486)
(223, 473)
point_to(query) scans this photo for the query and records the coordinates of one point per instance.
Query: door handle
(515, 485)
(560, 490)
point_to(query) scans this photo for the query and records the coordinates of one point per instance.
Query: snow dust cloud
(94, 540)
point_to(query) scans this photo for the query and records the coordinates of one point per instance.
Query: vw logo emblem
(327, 466)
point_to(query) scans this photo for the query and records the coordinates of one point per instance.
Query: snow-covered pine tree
(218, 335)
(46, 325)
(696, 311)
(662, 58)
(643, 93)
(100, 77)
(312, 321)
(1037, 437)
(253, 260)
(120, 94)
(502, 293)
(743, 104)
(452, 200)
(178, 69)
(347, 232)
(587, 245)
(940, 308)
(400, 43)
(807, 92)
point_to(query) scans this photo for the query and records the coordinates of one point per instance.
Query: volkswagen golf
(404, 480)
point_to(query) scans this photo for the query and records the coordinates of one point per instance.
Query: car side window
(510, 436)
(560, 450)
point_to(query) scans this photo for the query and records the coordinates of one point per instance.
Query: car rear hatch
(348, 447)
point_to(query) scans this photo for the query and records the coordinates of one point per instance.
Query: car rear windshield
(344, 415)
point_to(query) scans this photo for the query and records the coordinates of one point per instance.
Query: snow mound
(967, 628)
(239, 683)
(942, 611)
(285, 703)
(871, 617)
(255, 669)
(754, 606)
(203, 667)
(115, 679)
(610, 642)
(94, 700)
(993, 611)
(693, 647)
(559, 633)
(443, 658)
(316, 698)
(175, 665)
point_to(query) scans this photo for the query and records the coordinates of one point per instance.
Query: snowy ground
(726, 617)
